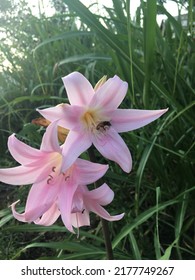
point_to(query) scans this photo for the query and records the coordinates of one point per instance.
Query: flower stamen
(49, 179)
(89, 119)
(67, 177)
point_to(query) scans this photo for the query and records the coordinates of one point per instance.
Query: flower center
(89, 119)
(94, 122)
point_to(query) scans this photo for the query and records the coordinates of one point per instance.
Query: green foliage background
(158, 196)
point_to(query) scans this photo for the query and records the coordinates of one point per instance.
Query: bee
(103, 126)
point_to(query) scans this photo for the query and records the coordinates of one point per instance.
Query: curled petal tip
(70, 228)
(14, 203)
(117, 217)
(12, 135)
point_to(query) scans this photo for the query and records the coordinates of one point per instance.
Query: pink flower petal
(21, 152)
(40, 198)
(50, 139)
(100, 211)
(17, 216)
(110, 95)
(78, 89)
(65, 203)
(112, 146)
(103, 195)
(79, 212)
(87, 172)
(22, 175)
(75, 144)
(68, 116)
(130, 119)
(54, 113)
(80, 219)
(72, 117)
(49, 217)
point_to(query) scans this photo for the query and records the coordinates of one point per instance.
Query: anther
(67, 177)
(48, 180)
(54, 168)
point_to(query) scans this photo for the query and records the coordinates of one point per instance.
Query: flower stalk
(105, 227)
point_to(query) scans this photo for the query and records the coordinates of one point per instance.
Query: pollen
(89, 119)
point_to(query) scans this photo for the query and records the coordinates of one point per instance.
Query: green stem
(108, 243)
(105, 226)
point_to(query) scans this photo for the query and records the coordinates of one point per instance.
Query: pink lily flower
(76, 214)
(94, 118)
(85, 201)
(42, 168)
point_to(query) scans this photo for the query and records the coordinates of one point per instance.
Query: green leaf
(89, 56)
(63, 36)
(156, 235)
(149, 46)
(67, 245)
(134, 246)
(6, 219)
(168, 251)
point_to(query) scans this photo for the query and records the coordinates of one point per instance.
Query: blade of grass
(89, 56)
(130, 50)
(42, 229)
(144, 216)
(134, 247)
(63, 36)
(143, 162)
(149, 46)
(168, 251)
(190, 16)
(62, 245)
(156, 235)
(177, 62)
(180, 220)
